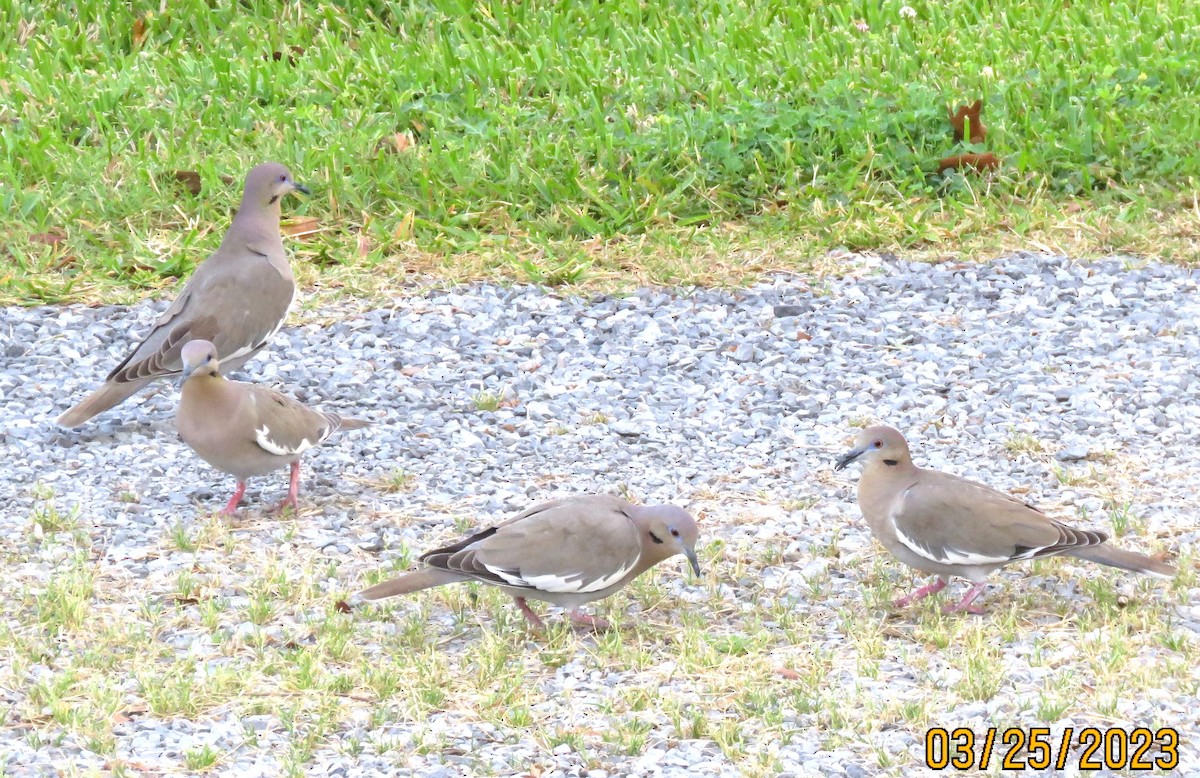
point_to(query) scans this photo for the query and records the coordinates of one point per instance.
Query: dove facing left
(247, 430)
(948, 526)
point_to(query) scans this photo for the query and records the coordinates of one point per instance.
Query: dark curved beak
(690, 553)
(848, 457)
(301, 188)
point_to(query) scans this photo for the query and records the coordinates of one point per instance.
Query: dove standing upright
(247, 430)
(946, 525)
(237, 299)
(567, 552)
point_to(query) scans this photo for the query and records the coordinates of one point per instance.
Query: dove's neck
(880, 481)
(257, 227)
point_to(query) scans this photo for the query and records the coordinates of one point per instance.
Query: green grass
(740, 665)
(567, 143)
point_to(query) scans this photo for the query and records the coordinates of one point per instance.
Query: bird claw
(534, 621)
(231, 507)
(293, 491)
(967, 602)
(920, 594)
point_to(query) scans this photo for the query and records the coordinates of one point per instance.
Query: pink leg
(529, 614)
(922, 593)
(293, 491)
(231, 506)
(594, 623)
(965, 603)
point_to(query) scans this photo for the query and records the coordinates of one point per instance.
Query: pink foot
(921, 593)
(965, 603)
(529, 614)
(293, 492)
(231, 506)
(594, 623)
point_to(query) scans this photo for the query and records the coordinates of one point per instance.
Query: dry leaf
(341, 606)
(279, 55)
(301, 226)
(396, 143)
(404, 230)
(128, 712)
(787, 673)
(364, 245)
(139, 32)
(190, 180)
(227, 180)
(24, 31)
(51, 237)
(968, 114)
(977, 162)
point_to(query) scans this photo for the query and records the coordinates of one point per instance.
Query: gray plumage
(243, 429)
(948, 526)
(237, 299)
(567, 552)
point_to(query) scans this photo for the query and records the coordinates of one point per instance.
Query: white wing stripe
(263, 436)
(953, 556)
(515, 580)
(562, 584)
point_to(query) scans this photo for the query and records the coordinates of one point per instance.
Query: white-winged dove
(237, 299)
(946, 525)
(243, 429)
(567, 552)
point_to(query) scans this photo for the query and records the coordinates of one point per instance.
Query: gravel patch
(1075, 384)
